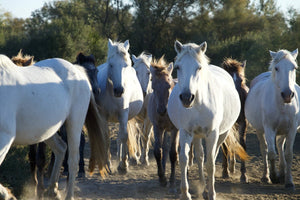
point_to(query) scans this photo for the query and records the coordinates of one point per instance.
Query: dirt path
(142, 182)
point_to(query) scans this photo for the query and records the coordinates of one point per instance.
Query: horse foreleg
(289, 158)
(122, 143)
(41, 162)
(199, 152)
(32, 161)
(225, 173)
(58, 146)
(185, 140)
(147, 130)
(5, 144)
(211, 152)
(264, 150)
(81, 172)
(242, 133)
(158, 154)
(280, 140)
(270, 138)
(173, 158)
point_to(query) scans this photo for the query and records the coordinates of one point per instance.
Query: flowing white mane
(189, 48)
(5, 61)
(279, 56)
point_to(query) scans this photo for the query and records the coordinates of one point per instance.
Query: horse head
(118, 60)
(142, 68)
(283, 67)
(88, 62)
(237, 71)
(190, 64)
(162, 83)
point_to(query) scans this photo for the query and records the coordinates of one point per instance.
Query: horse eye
(276, 68)
(177, 67)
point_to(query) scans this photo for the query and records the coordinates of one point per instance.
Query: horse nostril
(282, 94)
(292, 94)
(192, 97)
(180, 96)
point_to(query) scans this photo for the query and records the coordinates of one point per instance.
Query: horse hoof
(172, 190)
(122, 170)
(81, 175)
(225, 175)
(265, 180)
(275, 179)
(244, 178)
(163, 181)
(185, 196)
(134, 162)
(205, 194)
(144, 162)
(290, 186)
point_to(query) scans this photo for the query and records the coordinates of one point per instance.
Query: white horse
(142, 68)
(203, 104)
(121, 96)
(37, 100)
(272, 107)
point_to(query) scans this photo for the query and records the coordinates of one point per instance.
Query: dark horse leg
(37, 161)
(225, 173)
(242, 133)
(158, 153)
(173, 158)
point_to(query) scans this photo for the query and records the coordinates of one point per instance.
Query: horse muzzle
(118, 91)
(187, 99)
(287, 96)
(161, 110)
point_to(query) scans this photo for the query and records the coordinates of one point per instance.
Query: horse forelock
(281, 54)
(233, 66)
(118, 48)
(160, 66)
(189, 49)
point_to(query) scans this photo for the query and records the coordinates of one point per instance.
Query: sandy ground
(142, 182)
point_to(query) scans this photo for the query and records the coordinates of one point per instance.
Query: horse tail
(99, 138)
(132, 142)
(233, 145)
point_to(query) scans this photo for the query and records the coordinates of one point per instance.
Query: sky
(23, 8)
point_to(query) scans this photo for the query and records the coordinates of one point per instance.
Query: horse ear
(110, 43)
(273, 54)
(178, 46)
(126, 45)
(202, 47)
(244, 63)
(149, 57)
(133, 57)
(170, 68)
(295, 53)
(29, 61)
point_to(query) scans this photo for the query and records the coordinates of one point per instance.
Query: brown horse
(162, 85)
(237, 70)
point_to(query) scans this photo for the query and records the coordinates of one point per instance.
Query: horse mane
(281, 54)
(189, 48)
(142, 58)
(118, 49)
(160, 66)
(234, 66)
(81, 58)
(23, 60)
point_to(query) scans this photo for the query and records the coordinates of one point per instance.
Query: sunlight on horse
(39, 99)
(121, 97)
(272, 107)
(203, 104)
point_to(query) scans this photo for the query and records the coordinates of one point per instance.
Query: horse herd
(204, 102)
